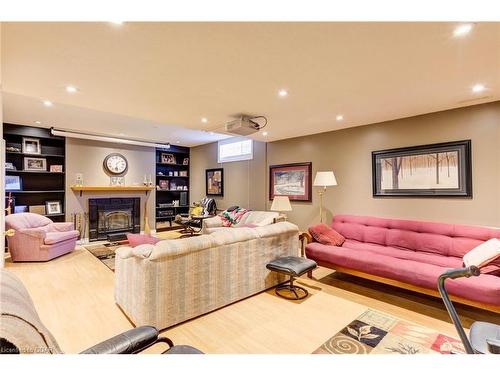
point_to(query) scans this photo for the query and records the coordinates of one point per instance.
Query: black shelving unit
(38, 187)
(170, 173)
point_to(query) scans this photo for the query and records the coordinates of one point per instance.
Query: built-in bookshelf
(172, 184)
(34, 175)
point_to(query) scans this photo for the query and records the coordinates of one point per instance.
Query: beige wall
(84, 156)
(348, 153)
(244, 181)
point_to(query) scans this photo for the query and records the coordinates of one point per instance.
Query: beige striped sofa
(176, 280)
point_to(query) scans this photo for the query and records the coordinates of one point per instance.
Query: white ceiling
(146, 80)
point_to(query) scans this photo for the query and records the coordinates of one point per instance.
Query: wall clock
(115, 164)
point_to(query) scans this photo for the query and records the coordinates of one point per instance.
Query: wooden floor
(74, 298)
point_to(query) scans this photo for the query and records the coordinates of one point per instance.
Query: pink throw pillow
(326, 235)
(135, 239)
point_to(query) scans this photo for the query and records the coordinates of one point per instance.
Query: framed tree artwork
(436, 170)
(292, 180)
(215, 181)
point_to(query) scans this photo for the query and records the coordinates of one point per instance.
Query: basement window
(234, 149)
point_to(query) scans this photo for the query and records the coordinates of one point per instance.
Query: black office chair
(137, 340)
(194, 225)
(484, 338)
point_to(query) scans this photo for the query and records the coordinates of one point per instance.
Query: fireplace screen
(115, 220)
(113, 217)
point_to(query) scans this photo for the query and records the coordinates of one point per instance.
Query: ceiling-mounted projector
(244, 125)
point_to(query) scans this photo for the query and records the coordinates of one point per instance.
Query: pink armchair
(38, 238)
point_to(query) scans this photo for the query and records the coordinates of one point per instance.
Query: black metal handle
(461, 272)
(454, 274)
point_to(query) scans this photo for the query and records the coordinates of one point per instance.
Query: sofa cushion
(326, 235)
(136, 239)
(436, 259)
(438, 238)
(483, 254)
(52, 238)
(485, 288)
(26, 220)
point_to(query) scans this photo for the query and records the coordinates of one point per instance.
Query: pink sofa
(38, 238)
(411, 254)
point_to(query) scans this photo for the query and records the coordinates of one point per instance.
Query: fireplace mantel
(81, 189)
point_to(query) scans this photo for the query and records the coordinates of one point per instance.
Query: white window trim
(242, 157)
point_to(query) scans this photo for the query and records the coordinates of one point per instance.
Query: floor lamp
(324, 179)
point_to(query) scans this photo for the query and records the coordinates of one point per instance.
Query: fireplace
(112, 218)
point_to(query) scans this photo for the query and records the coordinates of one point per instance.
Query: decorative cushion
(325, 235)
(483, 254)
(135, 239)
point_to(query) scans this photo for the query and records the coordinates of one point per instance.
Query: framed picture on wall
(292, 180)
(435, 170)
(215, 182)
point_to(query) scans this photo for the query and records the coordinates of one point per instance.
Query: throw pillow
(135, 239)
(483, 254)
(326, 235)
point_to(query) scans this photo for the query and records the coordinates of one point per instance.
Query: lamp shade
(326, 178)
(281, 203)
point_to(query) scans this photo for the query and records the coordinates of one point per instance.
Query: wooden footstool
(293, 267)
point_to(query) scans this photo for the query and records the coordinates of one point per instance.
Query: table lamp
(281, 203)
(324, 178)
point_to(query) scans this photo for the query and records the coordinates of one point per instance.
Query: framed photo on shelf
(56, 168)
(435, 170)
(13, 183)
(53, 207)
(214, 181)
(20, 209)
(117, 181)
(163, 184)
(32, 146)
(38, 209)
(185, 161)
(35, 164)
(167, 158)
(10, 167)
(291, 180)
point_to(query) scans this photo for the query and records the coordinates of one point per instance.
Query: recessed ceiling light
(462, 29)
(282, 93)
(71, 89)
(478, 87)
(178, 142)
(47, 103)
(339, 117)
(38, 122)
(204, 120)
(264, 134)
(117, 22)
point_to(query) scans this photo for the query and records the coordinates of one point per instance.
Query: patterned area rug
(105, 253)
(374, 332)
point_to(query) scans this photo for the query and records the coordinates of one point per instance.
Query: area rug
(374, 332)
(106, 253)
